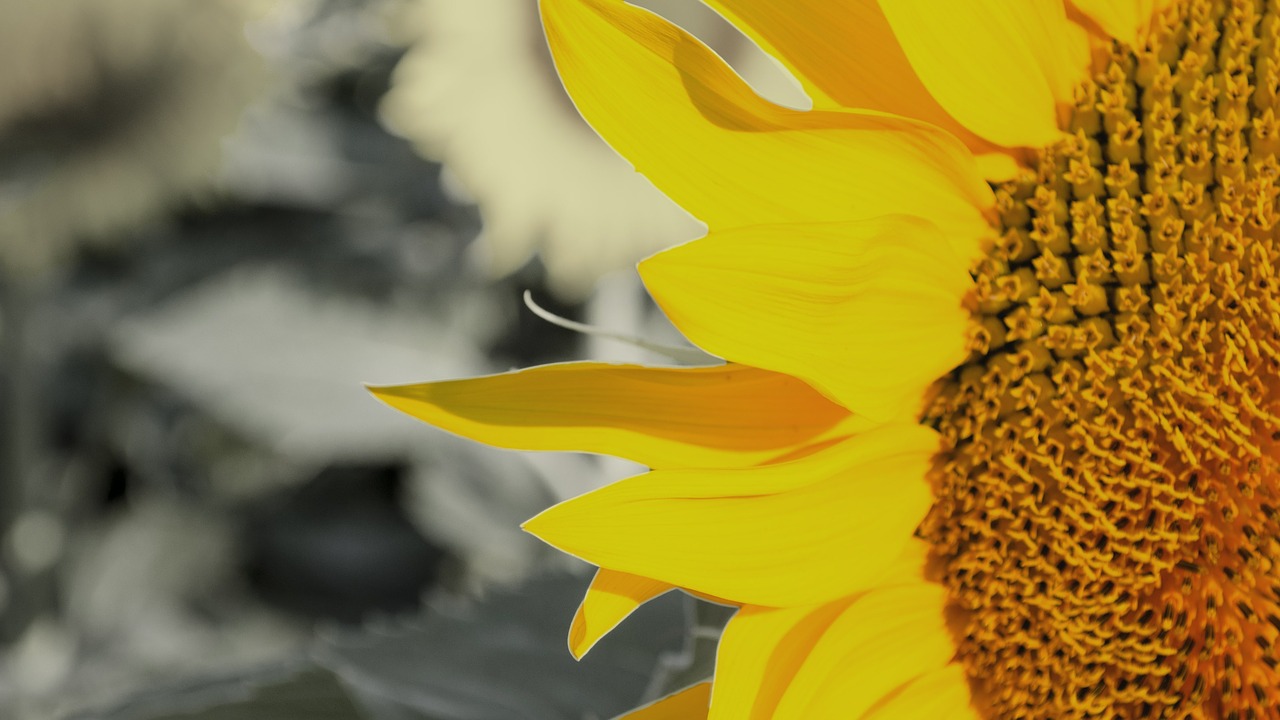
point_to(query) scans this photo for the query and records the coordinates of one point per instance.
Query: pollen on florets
(1107, 510)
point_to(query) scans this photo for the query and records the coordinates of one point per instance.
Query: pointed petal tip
(610, 599)
(546, 525)
(392, 394)
(714, 416)
(549, 525)
(377, 390)
(579, 644)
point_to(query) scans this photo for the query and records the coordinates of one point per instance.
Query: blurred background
(218, 218)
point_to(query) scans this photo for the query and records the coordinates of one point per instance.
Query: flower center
(1107, 510)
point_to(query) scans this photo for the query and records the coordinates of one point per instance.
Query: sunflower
(997, 432)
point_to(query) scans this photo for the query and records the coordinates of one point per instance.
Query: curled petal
(846, 56)
(611, 597)
(730, 158)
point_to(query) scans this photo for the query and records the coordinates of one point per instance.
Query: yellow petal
(997, 166)
(941, 695)
(726, 416)
(760, 651)
(672, 108)
(798, 533)
(1124, 20)
(886, 638)
(870, 313)
(846, 55)
(763, 648)
(843, 53)
(1118, 18)
(913, 566)
(688, 704)
(998, 67)
(611, 597)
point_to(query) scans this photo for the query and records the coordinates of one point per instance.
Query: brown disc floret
(1107, 509)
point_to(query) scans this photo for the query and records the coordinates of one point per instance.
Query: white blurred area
(478, 92)
(111, 112)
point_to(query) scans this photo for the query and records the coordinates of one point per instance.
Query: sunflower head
(1106, 504)
(1003, 337)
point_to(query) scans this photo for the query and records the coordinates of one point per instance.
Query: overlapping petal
(760, 651)
(846, 56)
(611, 597)
(838, 659)
(1000, 68)
(730, 158)
(870, 313)
(803, 532)
(727, 416)
(884, 640)
(942, 695)
(843, 53)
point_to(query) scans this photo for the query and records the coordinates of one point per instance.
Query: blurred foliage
(266, 694)
(503, 657)
(111, 113)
